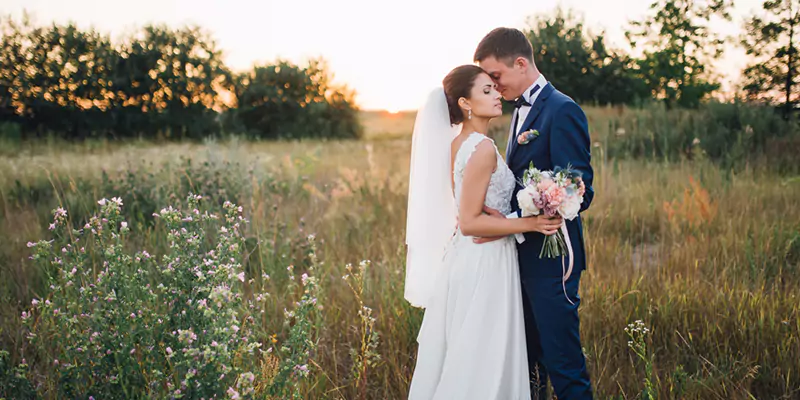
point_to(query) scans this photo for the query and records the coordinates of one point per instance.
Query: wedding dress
(472, 338)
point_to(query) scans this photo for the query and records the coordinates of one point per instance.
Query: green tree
(288, 101)
(579, 63)
(677, 43)
(73, 83)
(169, 81)
(50, 76)
(770, 39)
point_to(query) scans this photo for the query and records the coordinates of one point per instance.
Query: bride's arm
(472, 220)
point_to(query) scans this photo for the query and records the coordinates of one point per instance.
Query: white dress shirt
(525, 110)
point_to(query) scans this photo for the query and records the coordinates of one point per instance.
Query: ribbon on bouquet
(566, 271)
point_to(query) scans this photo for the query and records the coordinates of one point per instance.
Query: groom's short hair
(504, 44)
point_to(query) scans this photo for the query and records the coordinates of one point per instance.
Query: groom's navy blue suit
(551, 321)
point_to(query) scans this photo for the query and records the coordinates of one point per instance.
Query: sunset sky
(391, 53)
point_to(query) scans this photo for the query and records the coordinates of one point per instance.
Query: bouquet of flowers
(551, 193)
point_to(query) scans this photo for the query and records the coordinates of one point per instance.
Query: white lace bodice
(501, 185)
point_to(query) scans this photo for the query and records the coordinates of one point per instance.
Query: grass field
(707, 257)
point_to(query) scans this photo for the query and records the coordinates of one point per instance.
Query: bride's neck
(479, 125)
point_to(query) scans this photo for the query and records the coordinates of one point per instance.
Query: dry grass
(708, 259)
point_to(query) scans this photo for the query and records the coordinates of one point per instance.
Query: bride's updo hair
(457, 84)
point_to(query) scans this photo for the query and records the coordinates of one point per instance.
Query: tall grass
(707, 257)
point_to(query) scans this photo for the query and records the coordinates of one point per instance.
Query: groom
(550, 305)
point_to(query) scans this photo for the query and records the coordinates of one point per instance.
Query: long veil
(431, 218)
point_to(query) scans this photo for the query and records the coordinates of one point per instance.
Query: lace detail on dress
(501, 184)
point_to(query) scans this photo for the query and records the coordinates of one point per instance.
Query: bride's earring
(469, 114)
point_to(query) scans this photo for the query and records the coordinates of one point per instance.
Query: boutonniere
(527, 136)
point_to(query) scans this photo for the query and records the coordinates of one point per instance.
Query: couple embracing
(499, 319)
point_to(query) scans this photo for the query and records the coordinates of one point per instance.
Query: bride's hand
(544, 225)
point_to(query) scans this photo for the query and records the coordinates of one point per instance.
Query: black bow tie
(520, 101)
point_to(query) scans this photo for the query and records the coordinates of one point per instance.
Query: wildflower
(233, 393)
(241, 276)
(301, 370)
(124, 225)
(60, 213)
(102, 202)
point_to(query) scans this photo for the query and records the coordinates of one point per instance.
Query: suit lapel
(536, 109)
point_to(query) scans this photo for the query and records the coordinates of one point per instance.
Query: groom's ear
(521, 63)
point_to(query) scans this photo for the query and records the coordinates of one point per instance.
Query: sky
(392, 53)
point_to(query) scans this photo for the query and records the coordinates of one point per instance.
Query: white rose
(569, 207)
(525, 198)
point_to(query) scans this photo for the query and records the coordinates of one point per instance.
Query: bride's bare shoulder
(484, 155)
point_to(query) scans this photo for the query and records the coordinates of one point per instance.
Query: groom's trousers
(553, 337)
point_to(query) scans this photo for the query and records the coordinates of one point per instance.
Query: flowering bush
(130, 325)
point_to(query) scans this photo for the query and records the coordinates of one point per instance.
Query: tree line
(678, 50)
(162, 82)
(157, 82)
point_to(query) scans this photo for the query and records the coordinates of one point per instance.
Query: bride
(472, 338)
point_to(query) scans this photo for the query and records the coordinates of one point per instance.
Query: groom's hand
(492, 213)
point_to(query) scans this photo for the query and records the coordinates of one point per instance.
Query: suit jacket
(563, 140)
